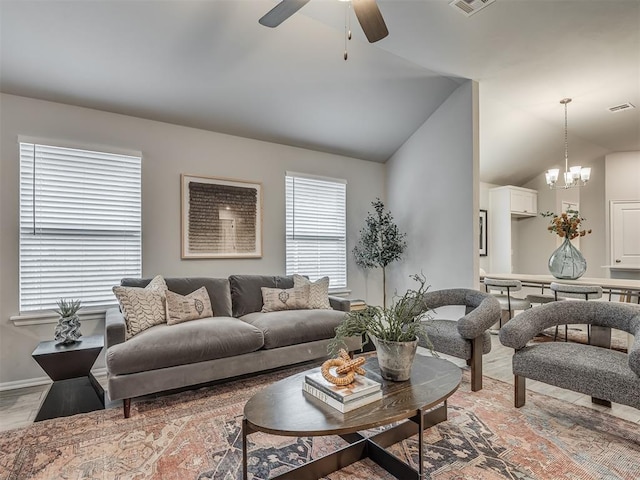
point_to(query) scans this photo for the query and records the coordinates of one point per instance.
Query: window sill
(339, 292)
(45, 317)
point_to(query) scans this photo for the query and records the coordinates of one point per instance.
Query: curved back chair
(466, 337)
(604, 374)
(581, 292)
(508, 303)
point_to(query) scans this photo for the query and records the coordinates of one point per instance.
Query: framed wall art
(221, 218)
(483, 233)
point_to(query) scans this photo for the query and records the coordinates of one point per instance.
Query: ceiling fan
(367, 13)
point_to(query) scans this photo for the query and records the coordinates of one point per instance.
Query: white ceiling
(211, 65)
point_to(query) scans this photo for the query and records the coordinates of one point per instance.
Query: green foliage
(380, 242)
(67, 308)
(401, 322)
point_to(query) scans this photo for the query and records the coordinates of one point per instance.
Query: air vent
(469, 7)
(621, 107)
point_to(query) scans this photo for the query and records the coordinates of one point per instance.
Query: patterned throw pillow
(275, 299)
(190, 307)
(318, 291)
(142, 308)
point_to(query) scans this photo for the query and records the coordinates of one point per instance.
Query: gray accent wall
(432, 192)
(168, 150)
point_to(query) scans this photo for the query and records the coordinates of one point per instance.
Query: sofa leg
(476, 363)
(126, 404)
(520, 384)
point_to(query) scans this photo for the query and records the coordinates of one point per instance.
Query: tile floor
(18, 408)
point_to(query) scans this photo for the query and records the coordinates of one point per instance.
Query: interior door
(625, 234)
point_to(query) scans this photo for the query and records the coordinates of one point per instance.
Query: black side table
(75, 389)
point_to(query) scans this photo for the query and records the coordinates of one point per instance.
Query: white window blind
(316, 228)
(80, 225)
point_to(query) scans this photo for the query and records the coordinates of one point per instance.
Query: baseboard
(34, 382)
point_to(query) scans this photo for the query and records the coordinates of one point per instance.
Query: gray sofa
(604, 374)
(237, 340)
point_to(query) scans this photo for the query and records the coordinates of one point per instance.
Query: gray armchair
(604, 374)
(468, 337)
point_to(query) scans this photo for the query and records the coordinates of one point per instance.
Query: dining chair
(580, 292)
(508, 303)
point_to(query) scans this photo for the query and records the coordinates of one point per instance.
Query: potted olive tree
(394, 330)
(380, 243)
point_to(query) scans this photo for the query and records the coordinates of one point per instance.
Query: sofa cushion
(290, 327)
(587, 369)
(276, 299)
(182, 308)
(218, 289)
(142, 308)
(246, 292)
(318, 291)
(196, 341)
(446, 338)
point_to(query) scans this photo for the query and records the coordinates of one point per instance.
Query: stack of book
(360, 392)
(358, 304)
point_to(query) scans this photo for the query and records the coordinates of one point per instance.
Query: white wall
(484, 205)
(168, 150)
(622, 183)
(432, 191)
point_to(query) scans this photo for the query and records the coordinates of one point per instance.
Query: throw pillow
(142, 308)
(188, 307)
(275, 299)
(318, 291)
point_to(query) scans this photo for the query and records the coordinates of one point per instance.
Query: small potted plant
(394, 330)
(68, 327)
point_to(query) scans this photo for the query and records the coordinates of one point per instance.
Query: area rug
(197, 435)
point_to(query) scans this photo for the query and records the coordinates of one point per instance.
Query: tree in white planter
(380, 242)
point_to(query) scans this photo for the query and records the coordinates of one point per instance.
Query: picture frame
(484, 227)
(220, 217)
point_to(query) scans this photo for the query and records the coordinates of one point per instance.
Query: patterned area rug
(197, 435)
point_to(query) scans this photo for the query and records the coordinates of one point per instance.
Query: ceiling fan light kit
(367, 13)
(576, 176)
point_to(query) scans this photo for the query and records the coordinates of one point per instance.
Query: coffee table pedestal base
(361, 447)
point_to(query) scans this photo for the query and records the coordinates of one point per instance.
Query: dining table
(626, 290)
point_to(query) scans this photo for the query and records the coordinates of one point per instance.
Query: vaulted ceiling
(210, 65)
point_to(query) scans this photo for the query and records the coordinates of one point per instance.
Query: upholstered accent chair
(595, 370)
(467, 337)
(508, 303)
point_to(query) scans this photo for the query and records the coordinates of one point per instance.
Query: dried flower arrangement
(567, 224)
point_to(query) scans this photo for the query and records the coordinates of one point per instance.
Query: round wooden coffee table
(283, 408)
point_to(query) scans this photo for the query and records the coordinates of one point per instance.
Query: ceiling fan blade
(281, 12)
(370, 19)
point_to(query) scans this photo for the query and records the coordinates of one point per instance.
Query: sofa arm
(339, 303)
(115, 327)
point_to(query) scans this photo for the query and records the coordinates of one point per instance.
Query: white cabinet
(523, 202)
(506, 205)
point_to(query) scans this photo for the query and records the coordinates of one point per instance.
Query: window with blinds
(316, 228)
(80, 225)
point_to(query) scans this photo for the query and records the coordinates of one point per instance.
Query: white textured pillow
(142, 308)
(182, 308)
(275, 299)
(318, 291)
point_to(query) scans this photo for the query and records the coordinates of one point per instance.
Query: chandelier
(574, 176)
